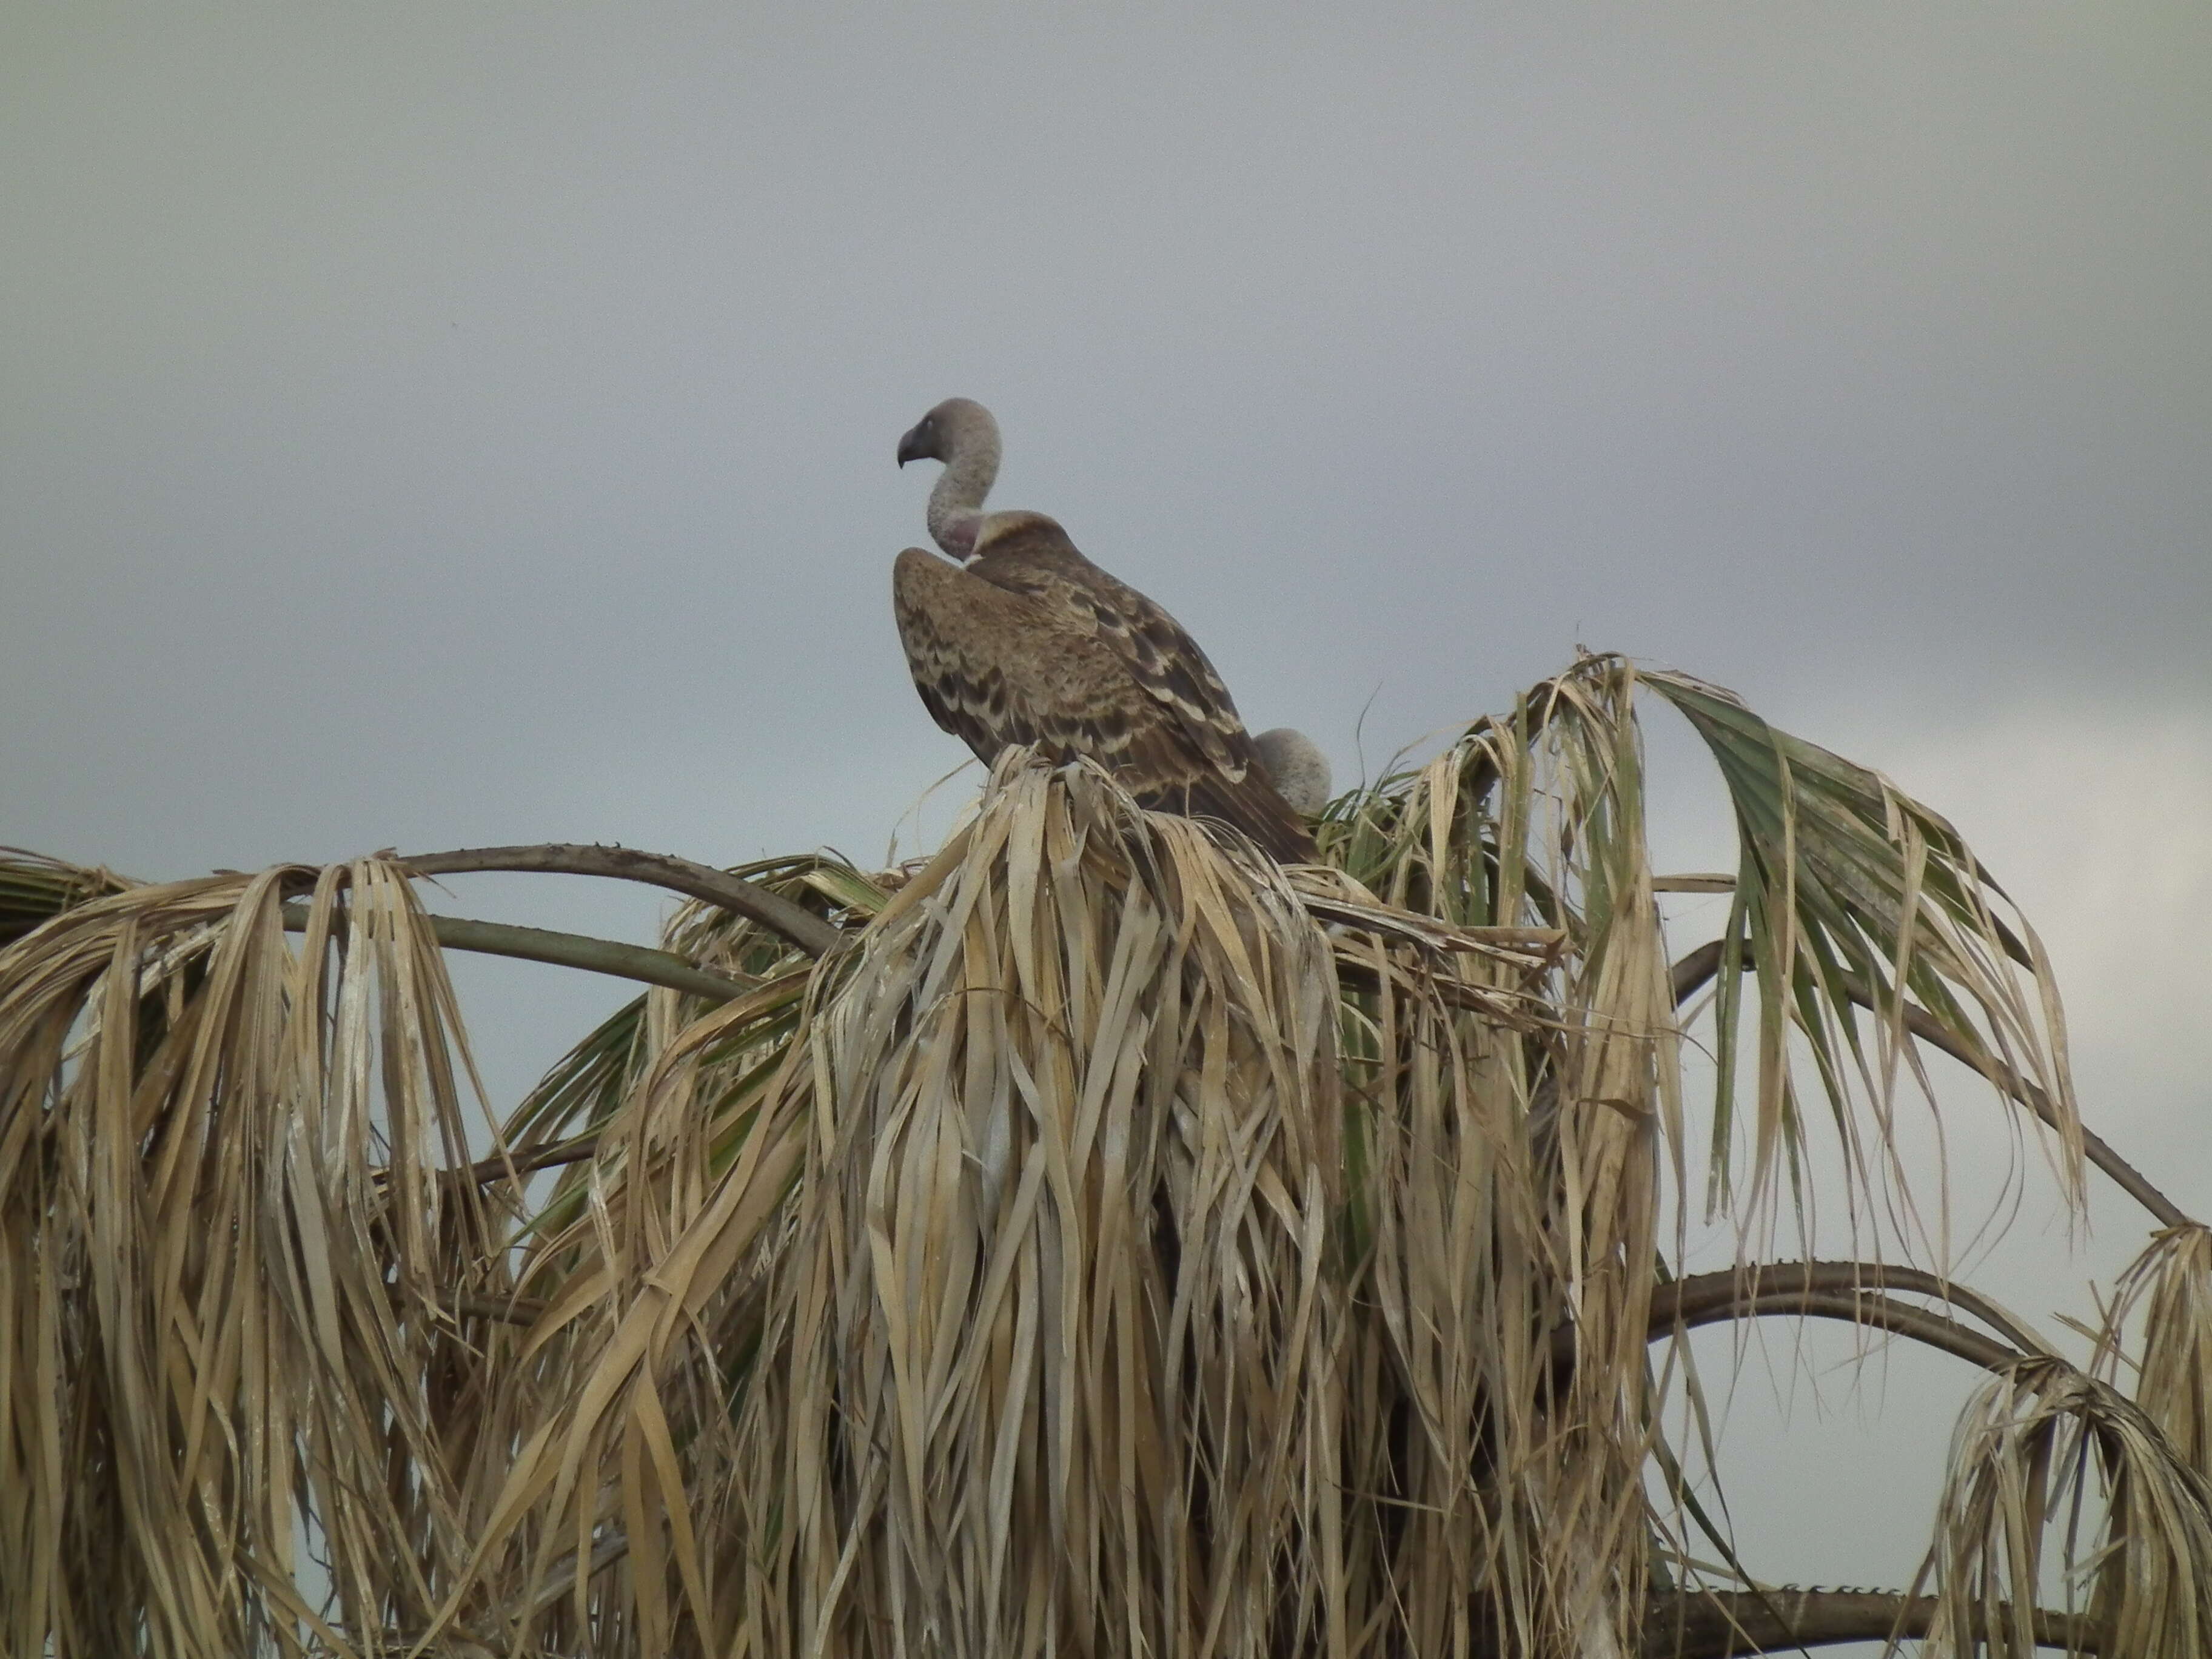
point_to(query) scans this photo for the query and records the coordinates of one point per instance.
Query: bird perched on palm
(1027, 642)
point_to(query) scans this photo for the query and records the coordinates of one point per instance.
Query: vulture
(1296, 767)
(1025, 641)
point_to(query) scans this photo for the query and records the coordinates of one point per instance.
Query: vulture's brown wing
(1030, 554)
(997, 666)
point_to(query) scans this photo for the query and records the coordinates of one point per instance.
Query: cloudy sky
(436, 424)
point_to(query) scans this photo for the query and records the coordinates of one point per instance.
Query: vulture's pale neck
(971, 467)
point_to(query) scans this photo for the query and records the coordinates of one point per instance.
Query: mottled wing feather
(1036, 558)
(995, 666)
(993, 669)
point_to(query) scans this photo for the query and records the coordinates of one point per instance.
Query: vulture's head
(960, 433)
(956, 429)
(1297, 769)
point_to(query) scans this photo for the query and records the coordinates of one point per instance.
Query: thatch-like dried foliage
(34, 888)
(1051, 1310)
(230, 1268)
(2170, 1287)
(1117, 1244)
(2045, 1452)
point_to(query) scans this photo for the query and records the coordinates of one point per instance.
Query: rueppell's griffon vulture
(1026, 641)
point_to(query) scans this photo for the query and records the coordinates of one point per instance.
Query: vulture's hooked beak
(910, 447)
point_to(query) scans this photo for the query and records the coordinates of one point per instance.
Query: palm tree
(1095, 1239)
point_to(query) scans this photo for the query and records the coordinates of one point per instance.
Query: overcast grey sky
(428, 424)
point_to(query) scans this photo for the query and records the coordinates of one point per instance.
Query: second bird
(1027, 642)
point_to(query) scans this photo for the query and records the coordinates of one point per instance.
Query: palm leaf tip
(1852, 895)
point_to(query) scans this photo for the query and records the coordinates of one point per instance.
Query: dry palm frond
(1112, 1243)
(1068, 1290)
(2044, 1449)
(229, 1267)
(1849, 895)
(1553, 1142)
(1073, 1385)
(34, 889)
(585, 1087)
(649, 1113)
(2171, 1284)
(1047, 1189)
(1848, 892)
